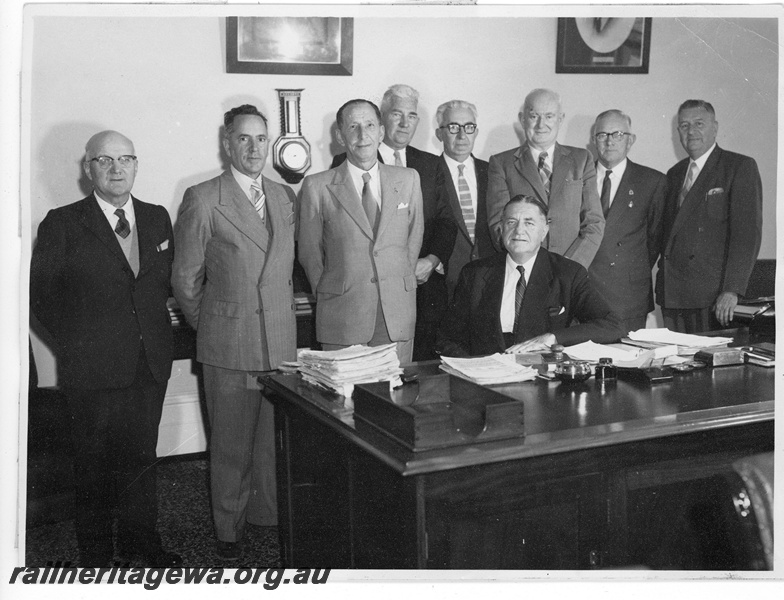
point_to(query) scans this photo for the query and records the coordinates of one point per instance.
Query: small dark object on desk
(572, 371)
(648, 375)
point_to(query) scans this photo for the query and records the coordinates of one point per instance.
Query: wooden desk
(605, 476)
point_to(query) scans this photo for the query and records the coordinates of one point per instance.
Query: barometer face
(293, 156)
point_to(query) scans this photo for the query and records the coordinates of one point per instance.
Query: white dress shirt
(388, 154)
(700, 162)
(511, 278)
(469, 173)
(615, 177)
(244, 182)
(108, 211)
(375, 183)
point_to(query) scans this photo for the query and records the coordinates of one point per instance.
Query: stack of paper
(687, 343)
(339, 370)
(488, 370)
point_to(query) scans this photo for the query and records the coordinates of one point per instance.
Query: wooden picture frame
(603, 45)
(290, 45)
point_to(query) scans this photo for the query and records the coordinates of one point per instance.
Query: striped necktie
(544, 173)
(257, 198)
(123, 228)
(690, 177)
(466, 205)
(519, 293)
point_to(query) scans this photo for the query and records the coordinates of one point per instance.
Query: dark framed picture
(603, 45)
(290, 45)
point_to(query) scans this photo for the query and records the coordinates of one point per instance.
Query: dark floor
(184, 522)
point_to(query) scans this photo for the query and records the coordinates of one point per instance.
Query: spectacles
(454, 128)
(616, 135)
(105, 162)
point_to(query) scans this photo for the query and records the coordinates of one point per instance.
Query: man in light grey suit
(562, 177)
(232, 278)
(360, 234)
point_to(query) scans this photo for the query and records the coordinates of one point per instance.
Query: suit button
(619, 244)
(258, 311)
(375, 252)
(612, 264)
(289, 281)
(372, 280)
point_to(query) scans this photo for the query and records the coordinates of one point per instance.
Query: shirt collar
(511, 265)
(617, 171)
(108, 208)
(388, 154)
(535, 152)
(244, 181)
(453, 164)
(704, 158)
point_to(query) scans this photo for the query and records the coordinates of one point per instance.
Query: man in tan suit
(232, 279)
(361, 230)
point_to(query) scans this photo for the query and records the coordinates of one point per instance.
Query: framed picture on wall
(290, 45)
(603, 45)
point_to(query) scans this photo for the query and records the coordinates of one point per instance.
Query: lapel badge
(631, 202)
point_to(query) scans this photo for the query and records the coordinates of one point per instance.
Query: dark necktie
(123, 228)
(544, 173)
(519, 293)
(606, 187)
(369, 202)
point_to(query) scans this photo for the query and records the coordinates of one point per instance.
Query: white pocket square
(715, 191)
(163, 246)
(402, 205)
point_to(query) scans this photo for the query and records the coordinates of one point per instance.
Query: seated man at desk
(525, 299)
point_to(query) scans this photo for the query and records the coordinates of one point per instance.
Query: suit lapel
(697, 192)
(344, 192)
(623, 194)
(93, 219)
(390, 196)
(146, 235)
(492, 296)
(235, 206)
(536, 296)
(454, 200)
(529, 171)
(562, 166)
(279, 210)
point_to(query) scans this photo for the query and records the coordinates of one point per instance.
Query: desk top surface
(564, 417)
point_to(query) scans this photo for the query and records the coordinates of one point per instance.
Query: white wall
(162, 82)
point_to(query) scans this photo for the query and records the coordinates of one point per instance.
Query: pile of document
(687, 343)
(339, 370)
(488, 370)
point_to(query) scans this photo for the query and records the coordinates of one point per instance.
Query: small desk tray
(437, 411)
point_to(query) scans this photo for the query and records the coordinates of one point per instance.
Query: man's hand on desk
(425, 267)
(537, 344)
(725, 307)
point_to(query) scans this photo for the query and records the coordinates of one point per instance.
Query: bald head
(113, 175)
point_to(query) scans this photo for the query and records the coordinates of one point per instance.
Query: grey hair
(441, 111)
(399, 89)
(539, 91)
(614, 112)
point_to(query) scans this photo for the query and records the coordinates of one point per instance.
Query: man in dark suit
(712, 227)
(526, 299)
(632, 198)
(562, 177)
(462, 180)
(99, 282)
(233, 281)
(400, 119)
(360, 231)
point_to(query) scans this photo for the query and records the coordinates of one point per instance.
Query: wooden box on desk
(437, 411)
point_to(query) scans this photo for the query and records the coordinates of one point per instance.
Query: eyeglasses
(616, 135)
(105, 162)
(454, 128)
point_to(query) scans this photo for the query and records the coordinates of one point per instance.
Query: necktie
(690, 177)
(606, 187)
(257, 198)
(519, 293)
(369, 202)
(466, 205)
(544, 173)
(398, 160)
(123, 228)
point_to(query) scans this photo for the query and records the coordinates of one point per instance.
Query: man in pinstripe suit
(232, 279)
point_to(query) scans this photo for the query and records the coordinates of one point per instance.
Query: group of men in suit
(438, 254)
